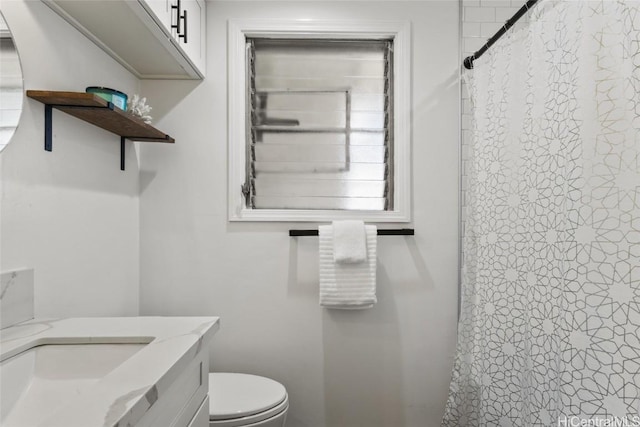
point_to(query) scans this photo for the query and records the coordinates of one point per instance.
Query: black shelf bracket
(48, 125)
(381, 232)
(48, 112)
(122, 138)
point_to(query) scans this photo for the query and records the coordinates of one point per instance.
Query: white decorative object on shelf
(139, 108)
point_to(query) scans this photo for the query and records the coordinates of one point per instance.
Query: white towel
(347, 286)
(349, 242)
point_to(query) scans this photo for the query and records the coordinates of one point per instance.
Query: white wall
(71, 214)
(387, 366)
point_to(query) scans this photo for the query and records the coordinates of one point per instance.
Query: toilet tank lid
(234, 395)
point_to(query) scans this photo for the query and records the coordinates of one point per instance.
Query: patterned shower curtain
(549, 333)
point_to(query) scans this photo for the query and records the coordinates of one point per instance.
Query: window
(317, 137)
(319, 128)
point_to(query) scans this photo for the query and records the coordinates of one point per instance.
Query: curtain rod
(468, 61)
(381, 232)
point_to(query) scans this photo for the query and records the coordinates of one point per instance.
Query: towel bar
(381, 232)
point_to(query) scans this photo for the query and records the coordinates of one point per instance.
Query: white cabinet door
(192, 36)
(162, 10)
(185, 21)
(201, 418)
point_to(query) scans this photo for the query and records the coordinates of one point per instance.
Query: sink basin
(42, 379)
(102, 371)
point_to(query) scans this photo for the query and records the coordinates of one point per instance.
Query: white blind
(319, 131)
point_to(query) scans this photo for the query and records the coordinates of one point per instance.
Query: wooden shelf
(103, 114)
(95, 110)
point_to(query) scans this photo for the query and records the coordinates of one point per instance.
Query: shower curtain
(549, 332)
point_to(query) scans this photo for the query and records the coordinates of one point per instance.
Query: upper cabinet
(191, 36)
(154, 39)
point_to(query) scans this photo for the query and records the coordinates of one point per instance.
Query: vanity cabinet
(185, 402)
(146, 39)
(201, 418)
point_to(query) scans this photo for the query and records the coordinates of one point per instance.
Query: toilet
(238, 400)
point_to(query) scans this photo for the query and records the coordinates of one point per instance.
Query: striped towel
(347, 286)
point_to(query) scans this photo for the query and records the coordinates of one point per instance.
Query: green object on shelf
(117, 98)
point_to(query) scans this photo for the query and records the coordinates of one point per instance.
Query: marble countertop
(123, 396)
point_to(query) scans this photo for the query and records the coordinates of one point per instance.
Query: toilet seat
(243, 399)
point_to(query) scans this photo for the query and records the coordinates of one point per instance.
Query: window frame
(399, 32)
